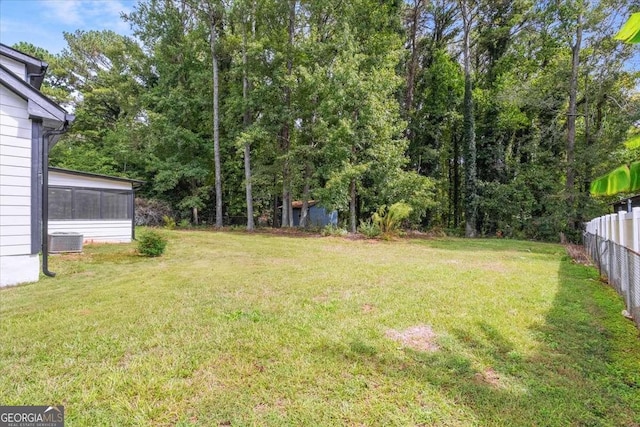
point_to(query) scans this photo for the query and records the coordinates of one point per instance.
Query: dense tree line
(488, 117)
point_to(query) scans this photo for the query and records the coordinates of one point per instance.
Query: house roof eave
(38, 105)
(36, 68)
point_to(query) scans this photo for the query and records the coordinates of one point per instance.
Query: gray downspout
(45, 196)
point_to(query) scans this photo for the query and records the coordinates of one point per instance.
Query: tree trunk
(287, 209)
(470, 172)
(246, 121)
(352, 206)
(286, 192)
(571, 125)
(414, 19)
(276, 214)
(216, 118)
(304, 214)
(456, 182)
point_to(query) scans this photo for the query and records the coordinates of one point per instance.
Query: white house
(30, 124)
(99, 207)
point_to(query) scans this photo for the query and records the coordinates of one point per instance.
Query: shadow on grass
(585, 371)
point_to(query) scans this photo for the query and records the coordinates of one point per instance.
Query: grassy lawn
(233, 329)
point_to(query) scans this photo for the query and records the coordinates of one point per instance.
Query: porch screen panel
(60, 203)
(116, 205)
(86, 204)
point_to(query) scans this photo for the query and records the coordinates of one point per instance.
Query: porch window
(70, 203)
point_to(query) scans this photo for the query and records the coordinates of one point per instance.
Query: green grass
(241, 329)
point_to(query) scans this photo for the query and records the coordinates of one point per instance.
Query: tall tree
(414, 20)
(571, 120)
(287, 207)
(468, 12)
(213, 11)
(249, 21)
(176, 129)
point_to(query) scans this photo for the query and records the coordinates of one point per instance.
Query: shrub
(151, 243)
(184, 223)
(369, 229)
(390, 219)
(168, 222)
(332, 230)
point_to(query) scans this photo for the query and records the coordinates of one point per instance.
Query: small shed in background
(99, 207)
(318, 216)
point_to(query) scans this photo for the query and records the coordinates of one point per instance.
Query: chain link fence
(620, 266)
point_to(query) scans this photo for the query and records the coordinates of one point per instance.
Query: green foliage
(168, 222)
(369, 228)
(389, 219)
(418, 190)
(348, 104)
(332, 230)
(151, 243)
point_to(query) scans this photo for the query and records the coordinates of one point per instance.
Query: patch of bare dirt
(367, 308)
(488, 376)
(420, 338)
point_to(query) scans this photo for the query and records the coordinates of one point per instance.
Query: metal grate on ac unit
(65, 242)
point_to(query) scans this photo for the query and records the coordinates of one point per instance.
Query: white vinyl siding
(8, 151)
(95, 231)
(15, 245)
(17, 68)
(10, 211)
(11, 220)
(15, 174)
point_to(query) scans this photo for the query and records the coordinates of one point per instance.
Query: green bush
(390, 219)
(332, 230)
(169, 223)
(369, 229)
(151, 243)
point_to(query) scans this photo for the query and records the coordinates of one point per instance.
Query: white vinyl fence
(613, 243)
